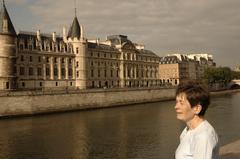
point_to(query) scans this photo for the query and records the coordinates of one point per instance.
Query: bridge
(234, 84)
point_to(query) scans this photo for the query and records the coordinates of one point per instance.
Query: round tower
(75, 37)
(7, 51)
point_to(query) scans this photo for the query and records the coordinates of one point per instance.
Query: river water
(140, 131)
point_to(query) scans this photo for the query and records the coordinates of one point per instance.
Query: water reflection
(141, 131)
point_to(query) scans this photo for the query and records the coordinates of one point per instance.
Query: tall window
(63, 71)
(105, 73)
(117, 73)
(47, 71)
(22, 71)
(129, 73)
(39, 58)
(77, 50)
(55, 71)
(70, 72)
(22, 58)
(92, 73)
(39, 71)
(99, 73)
(111, 73)
(30, 71)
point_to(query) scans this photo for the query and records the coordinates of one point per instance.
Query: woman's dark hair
(196, 94)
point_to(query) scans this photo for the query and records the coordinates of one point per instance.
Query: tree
(218, 75)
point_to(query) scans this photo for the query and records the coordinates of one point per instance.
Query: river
(140, 131)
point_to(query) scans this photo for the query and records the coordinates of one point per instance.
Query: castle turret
(75, 37)
(7, 51)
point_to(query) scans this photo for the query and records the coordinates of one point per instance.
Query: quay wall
(36, 102)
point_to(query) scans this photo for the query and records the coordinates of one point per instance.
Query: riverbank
(37, 102)
(24, 103)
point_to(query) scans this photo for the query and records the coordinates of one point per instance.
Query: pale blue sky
(187, 26)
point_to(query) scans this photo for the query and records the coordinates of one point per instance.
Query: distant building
(237, 68)
(175, 68)
(35, 60)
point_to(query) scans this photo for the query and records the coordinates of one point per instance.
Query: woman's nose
(176, 105)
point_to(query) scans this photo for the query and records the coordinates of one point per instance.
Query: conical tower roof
(75, 30)
(6, 26)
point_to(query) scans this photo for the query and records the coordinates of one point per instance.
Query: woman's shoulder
(206, 132)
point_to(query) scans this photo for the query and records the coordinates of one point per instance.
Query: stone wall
(28, 103)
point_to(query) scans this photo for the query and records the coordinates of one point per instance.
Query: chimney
(38, 35)
(97, 41)
(81, 35)
(64, 34)
(54, 36)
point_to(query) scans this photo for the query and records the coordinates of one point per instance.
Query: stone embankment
(17, 103)
(36, 102)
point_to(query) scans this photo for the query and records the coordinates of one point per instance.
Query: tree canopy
(218, 75)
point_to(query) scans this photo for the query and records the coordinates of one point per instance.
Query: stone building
(8, 54)
(35, 60)
(175, 68)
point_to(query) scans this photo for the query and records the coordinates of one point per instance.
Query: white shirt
(199, 143)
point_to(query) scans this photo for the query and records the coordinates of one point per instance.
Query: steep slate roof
(117, 39)
(101, 47)
(33, 35)
(5, 16)
(173, 59)
(75, 30)
(147, 52)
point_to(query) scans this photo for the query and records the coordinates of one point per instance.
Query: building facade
(175, 68)
(34, 60)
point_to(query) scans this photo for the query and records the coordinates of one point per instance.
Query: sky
(163, 26)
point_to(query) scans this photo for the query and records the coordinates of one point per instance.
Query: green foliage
(218, 75)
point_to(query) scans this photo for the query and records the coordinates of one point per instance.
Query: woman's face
(183, 108)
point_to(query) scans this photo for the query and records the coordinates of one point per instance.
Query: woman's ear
(197, 109)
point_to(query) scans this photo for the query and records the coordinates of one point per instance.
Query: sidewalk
(231, 150)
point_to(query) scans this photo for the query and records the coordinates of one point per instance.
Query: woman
(199, 139)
